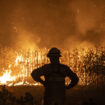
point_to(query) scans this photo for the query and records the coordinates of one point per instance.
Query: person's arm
(73, 77)
(37, 73)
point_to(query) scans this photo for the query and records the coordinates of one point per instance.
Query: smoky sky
(47, 23)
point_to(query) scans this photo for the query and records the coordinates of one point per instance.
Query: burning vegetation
(17, 65)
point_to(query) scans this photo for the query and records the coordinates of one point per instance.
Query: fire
(18, 71)
(7, 77)
(25, 64)
(18, 59)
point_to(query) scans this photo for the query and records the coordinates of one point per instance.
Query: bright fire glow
(18, 71)
(25, 63)
(7, 77)
(18, 59)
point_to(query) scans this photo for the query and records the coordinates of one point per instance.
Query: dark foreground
(32, 95)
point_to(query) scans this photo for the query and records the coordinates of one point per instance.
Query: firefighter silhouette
(54, 82)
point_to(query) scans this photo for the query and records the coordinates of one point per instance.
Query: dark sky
(47, 23)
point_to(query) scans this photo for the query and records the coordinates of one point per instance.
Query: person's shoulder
(64, 66)
(46, 65)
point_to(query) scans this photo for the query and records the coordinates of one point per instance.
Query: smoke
(90, 21)
(47, 23)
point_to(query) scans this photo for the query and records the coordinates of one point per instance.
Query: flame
(7, 77)
(25, 61)
(18, 59)
(25, 64)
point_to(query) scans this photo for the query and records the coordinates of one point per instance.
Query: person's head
(54, 55)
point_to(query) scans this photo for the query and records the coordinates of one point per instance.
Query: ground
(75, 96)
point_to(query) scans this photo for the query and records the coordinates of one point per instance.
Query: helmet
(54, 52)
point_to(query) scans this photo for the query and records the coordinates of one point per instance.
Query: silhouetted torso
(54, 81)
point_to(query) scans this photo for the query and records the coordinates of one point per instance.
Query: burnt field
(76, 96)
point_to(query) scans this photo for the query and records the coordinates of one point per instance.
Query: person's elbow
(76, 79)
(33, 75)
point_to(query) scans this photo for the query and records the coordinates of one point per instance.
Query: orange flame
(24, 63)
(7, 77)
